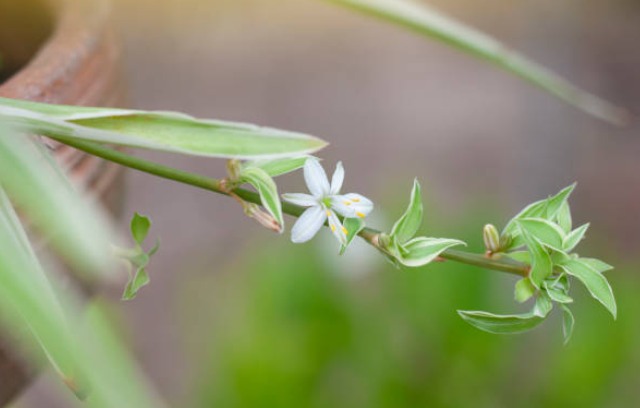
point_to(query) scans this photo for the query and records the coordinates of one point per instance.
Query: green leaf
(422, 250)
(541, 265)
(163, 131)
(557, 296)
(556, 202)
(278, 167)
(407, 226)
(140, 278)
(543, 305)
(596, 264)
(595, 282)
(568, 322)
(574, 237)
(564, 217)
(524, 290)
(544, 231)
(353, 226)
(432, 23)
(78, 231)
(140, 225)
(501, 324)
(267, 189)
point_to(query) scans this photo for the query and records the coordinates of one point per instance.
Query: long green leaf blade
(421, 251)
(163, 131)
(432, 23)
(78, 231)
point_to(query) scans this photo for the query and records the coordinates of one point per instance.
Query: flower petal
(308, 224)
(316, 178)
(339, 231)
(337, 179)
(303, 200)
(351, 205)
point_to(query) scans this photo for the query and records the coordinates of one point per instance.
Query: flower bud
(491, 238)
(265, 219)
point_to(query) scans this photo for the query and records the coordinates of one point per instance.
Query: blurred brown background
(393, 106)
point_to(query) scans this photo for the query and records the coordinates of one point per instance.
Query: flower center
(326, 201)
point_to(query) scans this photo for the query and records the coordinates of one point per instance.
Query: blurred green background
(238, 317)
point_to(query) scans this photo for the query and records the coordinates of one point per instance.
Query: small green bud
(491, 238)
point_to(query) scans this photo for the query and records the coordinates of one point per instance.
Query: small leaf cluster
(137, 258)
(402, 248)
(542, 237)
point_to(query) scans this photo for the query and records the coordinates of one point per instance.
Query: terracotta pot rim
(77, 29)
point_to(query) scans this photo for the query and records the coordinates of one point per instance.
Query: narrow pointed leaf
(78, 231)
(353, 226)
(574, 237)
(543, 305)
(501, 324)
(421, 251)
(407, 226)
(140, 278)
(564, 217)
(596, 264)
(163, 131)
(267, 189)
(594, 281)
(434, 24)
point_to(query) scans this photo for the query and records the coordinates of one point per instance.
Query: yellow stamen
(347, 202)
(345, 230)
(359, 214)
(355, 200)
(333, 227)
(328, 213)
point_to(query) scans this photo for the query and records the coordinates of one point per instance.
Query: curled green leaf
(574, 237)
(594, 281)
(501, 324)
(422, 250)
(353, 227)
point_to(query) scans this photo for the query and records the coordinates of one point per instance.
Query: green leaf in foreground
(422, 250)
(501, 324)
(434, 24)
(163, 131)
(353, 227)
(594, 281)
(409, 223)
(268, 191)
(78, 231)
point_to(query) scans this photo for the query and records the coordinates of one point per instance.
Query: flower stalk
(370, 235)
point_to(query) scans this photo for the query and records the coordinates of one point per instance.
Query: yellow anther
(359, 214)
(328, 213)
(355, 200)
(347, 202)
(333, 227)
(345, 230)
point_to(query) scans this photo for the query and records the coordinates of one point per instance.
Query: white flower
(324, 202)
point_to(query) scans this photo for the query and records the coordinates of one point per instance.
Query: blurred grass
(279, 328)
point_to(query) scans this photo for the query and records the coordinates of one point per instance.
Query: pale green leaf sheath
(324, 203)
(163, 131)
(268, 191)
(407, 225)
